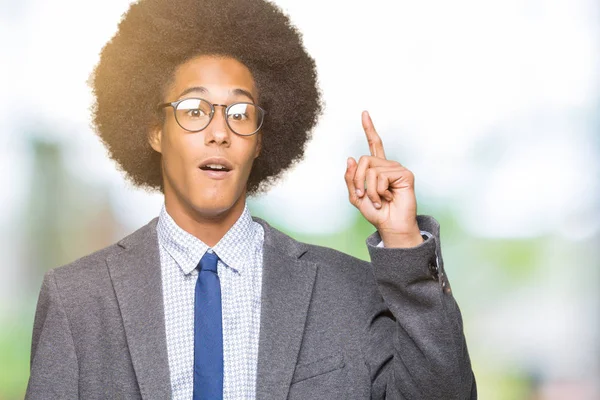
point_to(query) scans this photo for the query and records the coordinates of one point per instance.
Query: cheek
(180, 143)
(177, 152)
(250, 156)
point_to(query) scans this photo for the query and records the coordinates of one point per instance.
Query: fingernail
(359, 192)
(348, 162)
(377, 205)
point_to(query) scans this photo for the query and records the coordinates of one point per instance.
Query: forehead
(221, 76)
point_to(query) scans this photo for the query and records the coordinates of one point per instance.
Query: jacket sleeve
(54, 369)
(416, 342)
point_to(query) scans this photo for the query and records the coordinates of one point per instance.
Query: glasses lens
(244, 118)
(193, 114)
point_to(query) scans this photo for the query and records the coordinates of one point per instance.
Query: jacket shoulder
(324, 257)
(94, 265)
(329, 256)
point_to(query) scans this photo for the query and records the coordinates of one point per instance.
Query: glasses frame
(226, 108)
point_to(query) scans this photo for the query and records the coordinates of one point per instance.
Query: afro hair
(156, 36)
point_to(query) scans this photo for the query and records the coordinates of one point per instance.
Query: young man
(210, 101)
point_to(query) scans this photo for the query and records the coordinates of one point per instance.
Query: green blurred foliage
(15, 342)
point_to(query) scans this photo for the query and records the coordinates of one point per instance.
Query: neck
(207, 225)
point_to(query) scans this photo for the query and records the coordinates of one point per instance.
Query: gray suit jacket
(332, 326)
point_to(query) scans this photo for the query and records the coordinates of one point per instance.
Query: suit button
(433, 269)
(446, 287)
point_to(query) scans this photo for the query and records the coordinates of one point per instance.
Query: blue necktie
(208, 332)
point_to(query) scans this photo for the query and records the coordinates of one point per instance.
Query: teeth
(215, 166)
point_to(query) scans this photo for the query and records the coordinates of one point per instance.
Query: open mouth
(215, 167)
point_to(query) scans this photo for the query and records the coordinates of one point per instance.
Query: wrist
(400, 239)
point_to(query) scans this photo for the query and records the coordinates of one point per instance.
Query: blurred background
(494, 105)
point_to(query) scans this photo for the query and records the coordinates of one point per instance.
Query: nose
(217, 130)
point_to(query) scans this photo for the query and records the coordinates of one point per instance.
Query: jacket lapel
(287, 284)
(136, 276)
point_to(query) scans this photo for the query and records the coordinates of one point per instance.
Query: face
(189, 159)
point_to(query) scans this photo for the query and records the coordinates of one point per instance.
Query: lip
(217, 175)
(216, 160)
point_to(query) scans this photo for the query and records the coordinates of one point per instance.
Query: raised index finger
(375, 143)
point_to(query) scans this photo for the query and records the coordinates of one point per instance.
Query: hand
(389, 201)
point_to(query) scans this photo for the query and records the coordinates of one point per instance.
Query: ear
(258, 145)
(155, 139)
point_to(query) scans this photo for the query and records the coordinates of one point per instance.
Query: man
(210, 101)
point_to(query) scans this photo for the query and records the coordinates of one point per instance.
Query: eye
(238, 116)
(192, 109)
(241, 112)
(195, 113)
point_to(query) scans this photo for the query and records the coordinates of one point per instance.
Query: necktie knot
(209, 262)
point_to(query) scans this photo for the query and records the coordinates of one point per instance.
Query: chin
(204, 199)
(214, 206)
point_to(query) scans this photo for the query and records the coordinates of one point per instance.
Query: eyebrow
(203, 90)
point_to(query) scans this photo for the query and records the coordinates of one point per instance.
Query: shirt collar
(235, 249)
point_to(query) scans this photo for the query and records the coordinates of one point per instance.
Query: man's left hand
(383, 191)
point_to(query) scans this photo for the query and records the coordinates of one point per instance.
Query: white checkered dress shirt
(240, 273)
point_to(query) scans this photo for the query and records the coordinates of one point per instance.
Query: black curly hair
(156, 36)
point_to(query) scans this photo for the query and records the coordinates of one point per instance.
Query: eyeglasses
(195, 114)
